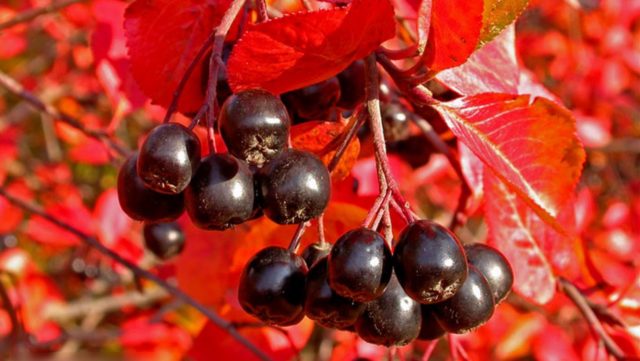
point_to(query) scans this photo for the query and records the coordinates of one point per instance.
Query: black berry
(395, 122)
(469, 308)
(393, 319)
(272, 286)
(142, 203)
(430, 328)
(314, 252)
(325, 306)
(352, 84)
(221, 193)
(429, 262)
(254, 125)
(295, 187)
(494, 267)
(360, 265)
(315, 101)
(164, 240)
(168, 158)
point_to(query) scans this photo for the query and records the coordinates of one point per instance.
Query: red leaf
(532, 147)
(111, 221)
(163, 37)
(43, 231)
(321, 139)
(491, 69)
(452, 37)
(10, 215)
(304, 48)
(90, 151)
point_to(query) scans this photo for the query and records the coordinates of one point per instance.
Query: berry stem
(137, 271)
(173, 106)
(202, 112)
(581, 302)
(375, 120)
(215, 61)
(453, 349)
(297, 236)
(261, 7)
(354, 124)
(431, 346)
(321, 239)
(372, 216)
(17, 89)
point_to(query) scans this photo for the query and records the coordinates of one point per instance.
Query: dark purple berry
(315, 101)
(221, 193)
(142, 203)
(395, 122)
(295, 187)
(429, 262)
(393, 319)
(272, 286)
(493, 266)
(325, 306)
(430, 328)
(314, 252)
(254, 125)
(352, 83)
(168, 158)
(469, 308)
(360, 265)
(164, 240)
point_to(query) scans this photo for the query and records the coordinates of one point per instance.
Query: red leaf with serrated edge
(304, 48)
(513, 229)
(214, 343)
(452, 37)
(531, 146)
(163, 37)
(491, 69)
(323, 139)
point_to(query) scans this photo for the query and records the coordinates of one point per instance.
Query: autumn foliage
(524, 134)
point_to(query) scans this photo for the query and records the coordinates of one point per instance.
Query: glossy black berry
(142, 203)
(272, 286)
(494, 267)
(395, 122)
(168, 158)
(221, 193)
(325, 306)
(430, 328)
(314, 252)
(315, 101)
(429, 262)
(393, 319)
(254, 125)
(469, 308)
(352, 85)
(295, 187)
(164, 240)
(360, 265)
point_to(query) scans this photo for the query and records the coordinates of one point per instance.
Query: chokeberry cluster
(259, 174)
(428, 286)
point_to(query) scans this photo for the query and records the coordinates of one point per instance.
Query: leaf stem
(137, 271)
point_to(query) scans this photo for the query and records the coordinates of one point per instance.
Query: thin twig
(17, 89)
(137, 271)
(261, 7)
(31, 14)
(581, 303)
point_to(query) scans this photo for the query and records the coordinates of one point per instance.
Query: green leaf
(498, 14)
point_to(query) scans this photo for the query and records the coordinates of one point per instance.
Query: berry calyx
(168, 158)
(360, 265)
(469, 308)
(142, 203)
(495, 268)
(295, 187)
(221, 193)
(393, 319)
(272, 286)
(325, 306)
(254, 125)
(429, 262)
(164, 240)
